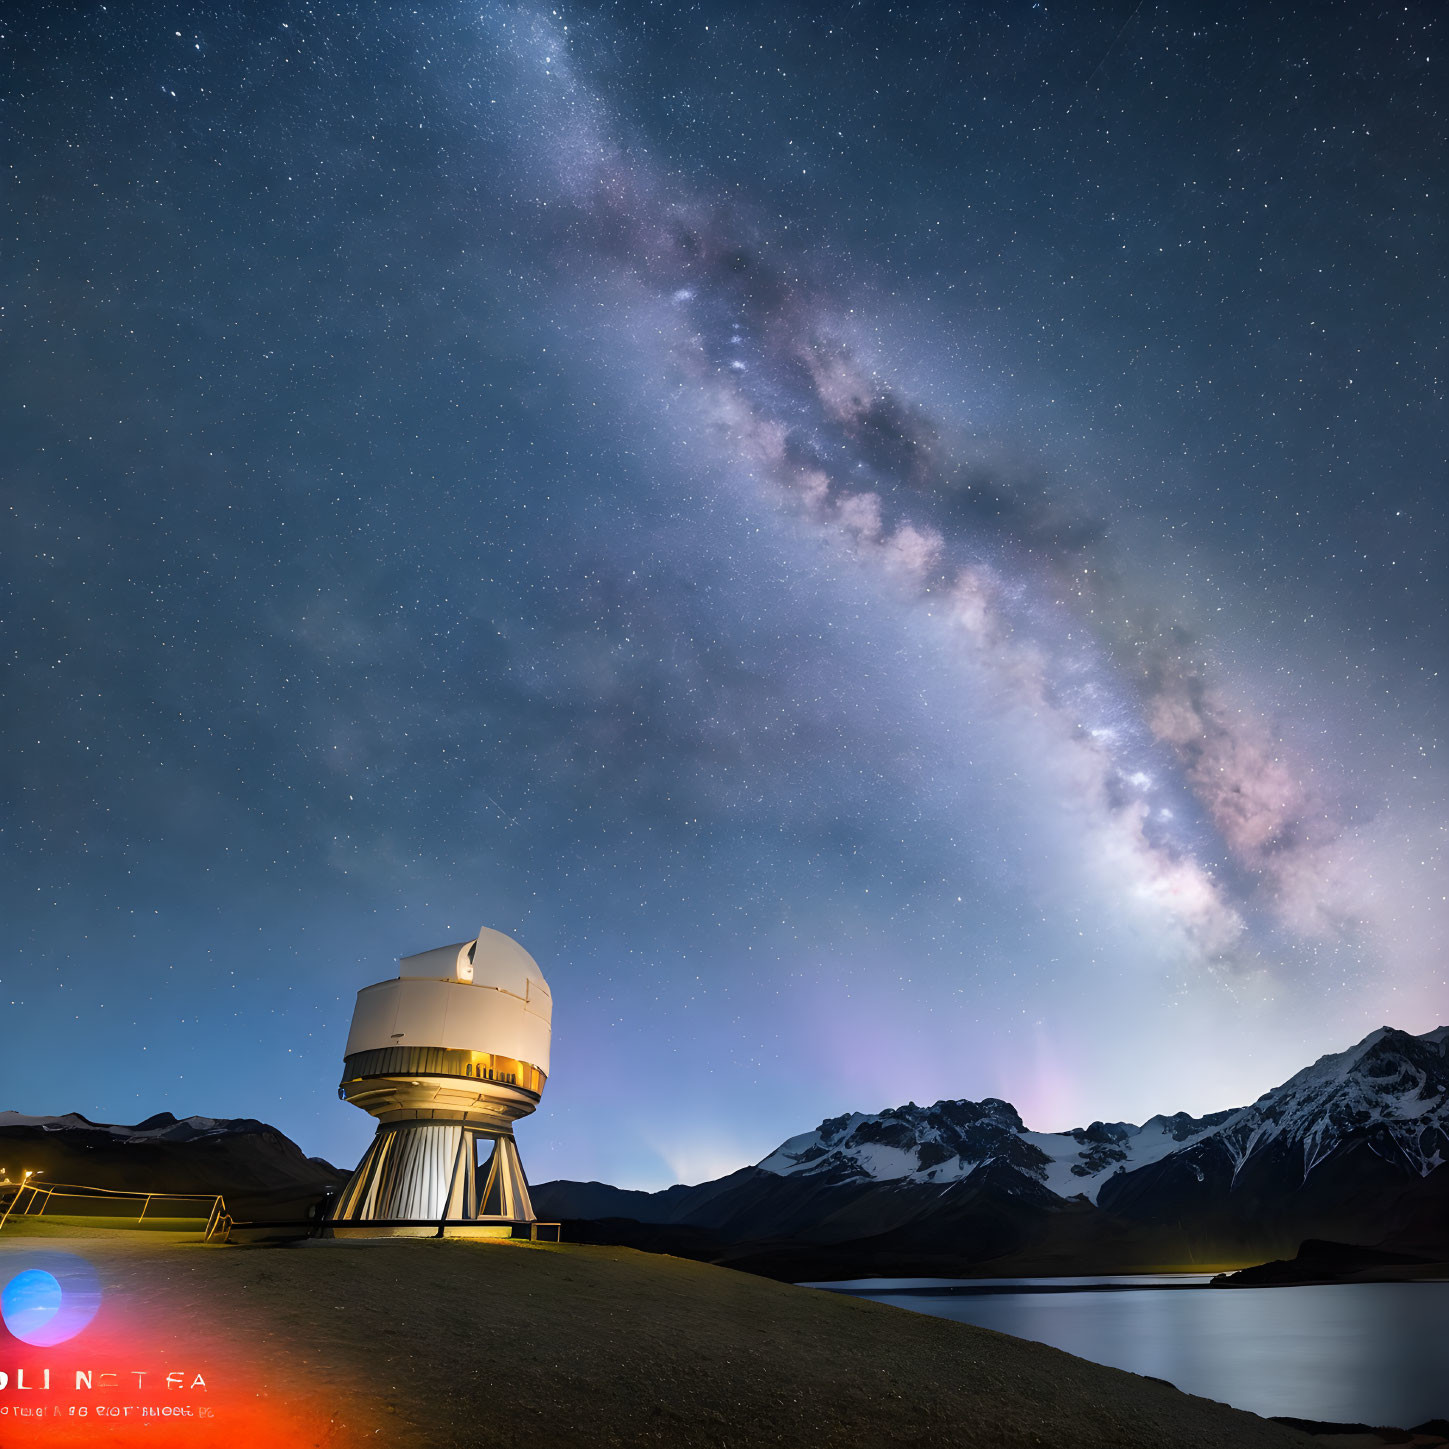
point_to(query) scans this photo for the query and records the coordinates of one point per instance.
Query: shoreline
(1123, 1283)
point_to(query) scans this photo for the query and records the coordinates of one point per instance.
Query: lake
(1373, 1353)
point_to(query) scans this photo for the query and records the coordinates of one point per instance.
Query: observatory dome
(471, 1000)
(492, 960)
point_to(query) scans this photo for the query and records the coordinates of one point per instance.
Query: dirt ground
(428, 1343)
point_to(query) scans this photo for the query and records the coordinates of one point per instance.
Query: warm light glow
(207, 1384)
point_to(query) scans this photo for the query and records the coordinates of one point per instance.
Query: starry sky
(900, 550)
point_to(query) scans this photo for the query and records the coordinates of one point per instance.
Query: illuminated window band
(401, 1061)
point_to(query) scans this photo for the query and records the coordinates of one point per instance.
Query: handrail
(10, 1207)
(125, 1191)
(314, 1227)
(219, 1224)
(218, 1220)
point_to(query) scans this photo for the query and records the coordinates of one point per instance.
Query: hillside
(438, 1344)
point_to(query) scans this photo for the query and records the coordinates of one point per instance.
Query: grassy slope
(481, 1344)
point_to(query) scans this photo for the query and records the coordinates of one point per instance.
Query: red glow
(258, 1389)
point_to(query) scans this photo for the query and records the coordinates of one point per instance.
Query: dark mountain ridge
(258, 1169)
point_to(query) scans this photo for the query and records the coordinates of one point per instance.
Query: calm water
(1374, 1353)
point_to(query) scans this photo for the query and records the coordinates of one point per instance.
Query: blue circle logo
(51, 1299)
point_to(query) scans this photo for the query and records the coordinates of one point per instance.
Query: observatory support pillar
(434, 1171)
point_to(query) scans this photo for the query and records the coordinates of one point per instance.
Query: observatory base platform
(530, 1231)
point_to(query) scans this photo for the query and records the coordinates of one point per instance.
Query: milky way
(900, 557)
(1136, 709)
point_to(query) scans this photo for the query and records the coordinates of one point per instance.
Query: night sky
(899, 550)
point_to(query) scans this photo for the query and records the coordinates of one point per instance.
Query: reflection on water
(1374, 1353)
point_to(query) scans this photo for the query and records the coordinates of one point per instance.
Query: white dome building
(447, 1056)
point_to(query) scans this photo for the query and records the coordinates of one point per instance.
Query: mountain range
(1351, 1148)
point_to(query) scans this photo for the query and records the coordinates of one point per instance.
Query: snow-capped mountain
(951, 1141)
(1391, 1092)
(1350, 1136)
